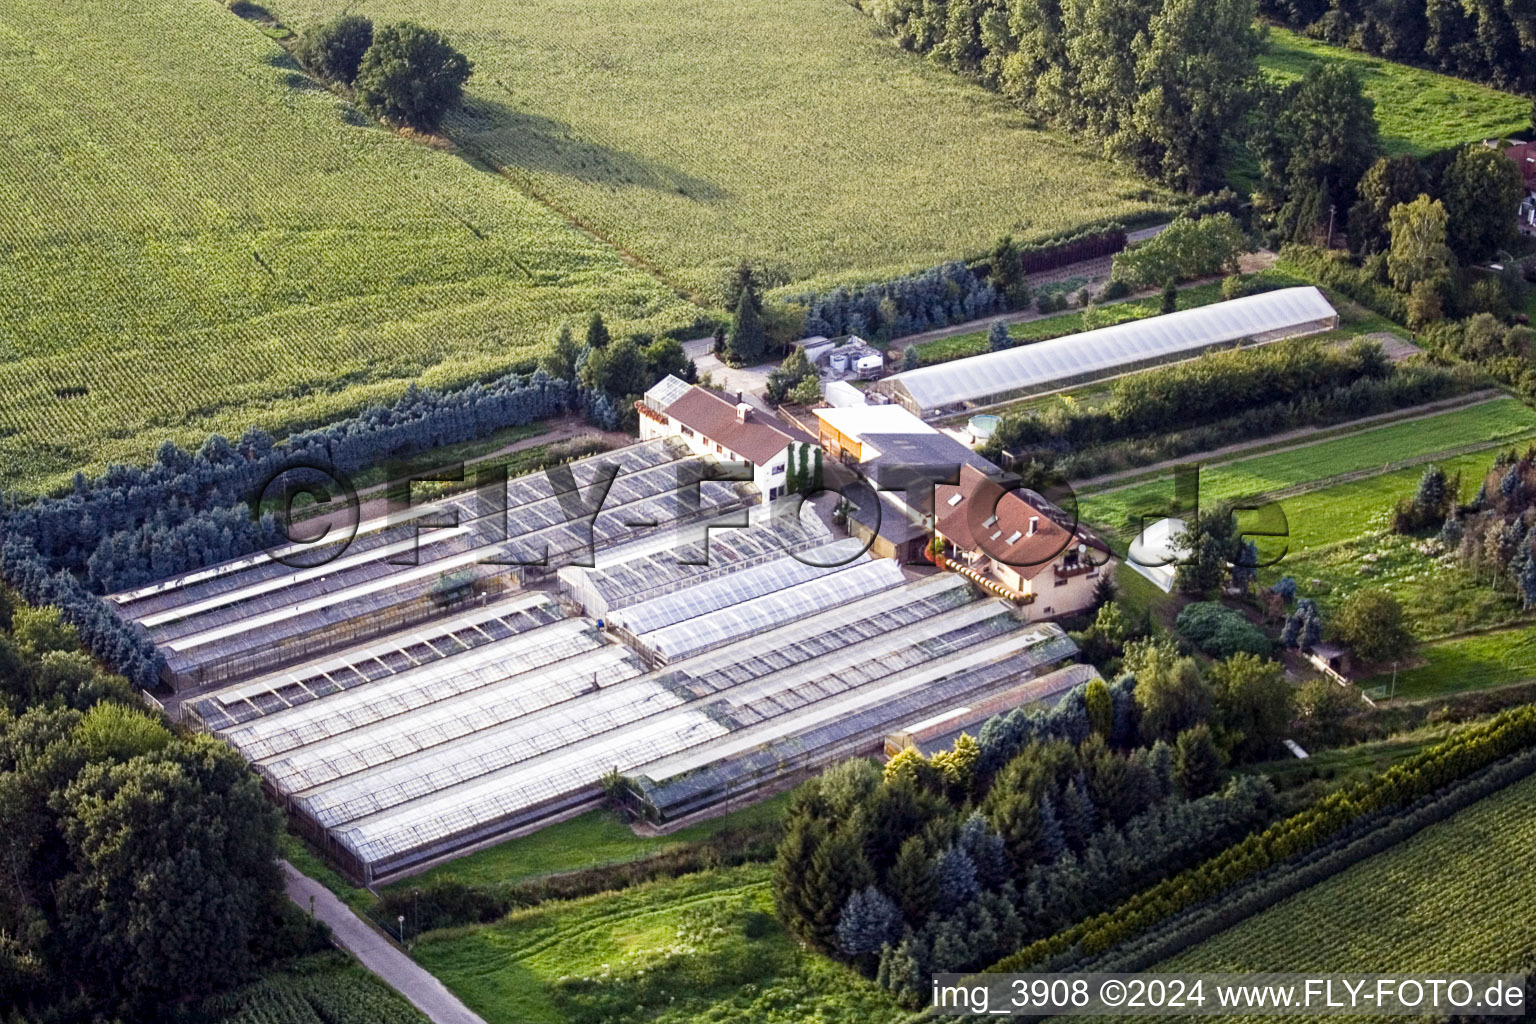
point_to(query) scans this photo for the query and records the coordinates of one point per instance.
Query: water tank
(839, 362)
(982, 427)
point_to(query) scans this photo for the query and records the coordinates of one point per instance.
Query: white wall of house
(769, 477)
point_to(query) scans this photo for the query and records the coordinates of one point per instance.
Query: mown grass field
(591, 840)
(701, 948)
(788, 132)
(1454, 898)
(1489, 423)
(197, 238)
(1418, 111)
(1466, 663)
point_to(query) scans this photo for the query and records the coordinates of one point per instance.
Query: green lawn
(593, 839)
(1419, 111)
(1455, 897)
(1466, 663)
(792, 133)
(1495, 422)
(196, 238)
(701, 948)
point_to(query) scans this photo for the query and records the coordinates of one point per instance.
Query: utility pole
(1332, 208)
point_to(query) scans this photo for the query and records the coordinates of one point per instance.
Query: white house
(731, 432)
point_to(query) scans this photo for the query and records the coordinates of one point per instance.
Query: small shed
(1331, 660)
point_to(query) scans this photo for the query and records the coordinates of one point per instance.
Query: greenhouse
(258, 614)
(1043, 366)
(405, 750)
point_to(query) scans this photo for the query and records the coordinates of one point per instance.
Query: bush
(412, 76)
(1221, 632)
(335, 49)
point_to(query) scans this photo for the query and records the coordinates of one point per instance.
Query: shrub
(1221, 632)
(411, 75)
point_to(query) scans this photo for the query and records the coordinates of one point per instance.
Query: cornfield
(326, 989)
(788, 132)
(195, 237)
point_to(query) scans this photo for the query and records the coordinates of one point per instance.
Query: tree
(997, 337)
(561, 361)
(1101, 709)
(747, 344)
(1418, 251)
(1007, 272)
(1481, 189)
(1390, 181)
(1195, 65)
(335, 49)
(1185, 249)
(597, 332)
(742, 281)
(1326, 135)
(664, 357)
(1371, 623)
(1171, 694)
(1197, 762)
(174, 871)
(411, 75)
(807, 392)
(869, 920)
(1254, 700)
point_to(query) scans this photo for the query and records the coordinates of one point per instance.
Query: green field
(788, 132)
(1466, 663)
(701, 948)
(1489, 423)
(1454, 898)
(197, 238)
(591, 840)
(1419, 111)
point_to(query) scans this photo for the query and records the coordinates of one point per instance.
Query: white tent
(1155, 554)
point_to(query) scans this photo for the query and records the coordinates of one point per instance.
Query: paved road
(377, 953)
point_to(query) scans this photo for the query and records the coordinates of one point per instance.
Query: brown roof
(1524, 156)
(758, 440)
(968, 523)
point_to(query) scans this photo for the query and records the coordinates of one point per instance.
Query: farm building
(256, 614)
(1044, 366)
(713, 427)
(721, 681)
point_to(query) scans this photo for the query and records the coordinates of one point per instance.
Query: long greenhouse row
(257, 614)
(730, 676)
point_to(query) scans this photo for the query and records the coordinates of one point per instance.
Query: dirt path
(1132, 477)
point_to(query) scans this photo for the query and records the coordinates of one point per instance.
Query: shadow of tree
(518, 140)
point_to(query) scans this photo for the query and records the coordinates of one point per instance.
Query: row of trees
(1378, 799)
(1073, 443)
(615, 374)
(1484, 40)
(402, 73)
(141, 864)
(1162, 83)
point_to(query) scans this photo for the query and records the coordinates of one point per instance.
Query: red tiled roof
(968, 523)
(758, 440)
(1524, 156)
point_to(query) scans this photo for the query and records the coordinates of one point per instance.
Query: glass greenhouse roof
(1099, 351)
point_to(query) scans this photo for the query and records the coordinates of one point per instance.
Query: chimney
(738, 398)
(743, 412)
(1034, 524)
